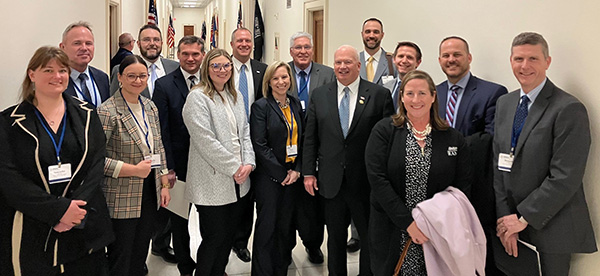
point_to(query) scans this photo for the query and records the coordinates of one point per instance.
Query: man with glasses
(126, 42)
(309, 75)
(248, 76)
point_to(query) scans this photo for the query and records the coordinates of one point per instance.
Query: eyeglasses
(216, 67)
(151, 39)
(134, 77)
(299, 48)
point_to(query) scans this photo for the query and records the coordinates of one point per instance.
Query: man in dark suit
(468, 104)
(377, 63)
(407, 57)
(169, 96)
(541, 146)
(340, 117)
(309, 76)
(248, 76)
(126, 42)
(86, 82)
(150, 45)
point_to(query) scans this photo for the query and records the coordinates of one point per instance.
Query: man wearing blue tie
(407, 57)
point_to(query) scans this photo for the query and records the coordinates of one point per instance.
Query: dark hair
(400, 118)
(266, 87)
(373, 19)
(455, 37)
(41, 58)
(191, 39)
(206, 82)
(129, 60)
(530, 38)
(409, 44)
(149, 26)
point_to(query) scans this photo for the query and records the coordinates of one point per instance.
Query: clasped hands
(72, 217)
(290, 178)
(507, 229)
(242, 174)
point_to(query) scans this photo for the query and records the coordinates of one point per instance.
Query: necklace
(284, 106)
(422, 133)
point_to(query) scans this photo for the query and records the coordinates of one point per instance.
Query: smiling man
(541, 147)
(377, 63)
(87, 83)
(338, 145)
(407, 57)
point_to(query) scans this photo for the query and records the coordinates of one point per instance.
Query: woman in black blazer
(276, 133)
(410, 157)
(52, 163)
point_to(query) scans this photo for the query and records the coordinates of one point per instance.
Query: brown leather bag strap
(388, 56)
(402, 257)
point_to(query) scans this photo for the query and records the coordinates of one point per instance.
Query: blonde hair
(207, 84)
(41, 58)
(266, 88)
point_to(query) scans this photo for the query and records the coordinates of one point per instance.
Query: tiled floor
(300, 265)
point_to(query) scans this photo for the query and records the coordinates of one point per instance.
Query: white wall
(279, 19)
(187, 16)
(32, 24)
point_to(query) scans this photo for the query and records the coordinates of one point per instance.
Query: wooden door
(317, 33)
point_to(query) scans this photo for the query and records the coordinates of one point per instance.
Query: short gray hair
(299, 35)
(75, 25)
(531, 38)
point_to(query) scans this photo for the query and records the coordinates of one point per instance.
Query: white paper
(178, 204)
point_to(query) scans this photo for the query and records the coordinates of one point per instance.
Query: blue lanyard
(138, 123)
(62, 134)
(290, 125)
(82, 95)
(515, 137)
(305, 87)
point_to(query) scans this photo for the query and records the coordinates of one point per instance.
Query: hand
(143, 168)
(62, 227)
(242, 174)
(165, 197)
(172, 178)
(310, 185)
(415, 234)
(510, 244)
(74, 214)
(509, 225)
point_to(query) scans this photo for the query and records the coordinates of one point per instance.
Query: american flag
(214, 32)
(170, 34)
(240, 24)
(152, 14)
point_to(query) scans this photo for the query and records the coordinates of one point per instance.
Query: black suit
(101, 80)
(169, 96)
(342, 177)
(274, 203)
(245, 226)
(119, 56)
(386, 168)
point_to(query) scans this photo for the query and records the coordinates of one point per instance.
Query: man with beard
(150, 45)
(377, 63)
(86, 82)
(407, 57)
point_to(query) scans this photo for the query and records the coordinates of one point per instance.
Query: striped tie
(344, 111)
(451, 106)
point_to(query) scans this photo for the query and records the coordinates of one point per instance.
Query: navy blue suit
(119, 56)
(101, 80)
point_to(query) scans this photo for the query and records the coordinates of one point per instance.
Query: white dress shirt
(353, 95)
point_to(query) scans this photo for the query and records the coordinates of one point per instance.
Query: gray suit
(319, 75)
(381, 70)
(168, 65)
(545, 183)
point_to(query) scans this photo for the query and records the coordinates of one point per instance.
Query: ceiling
(190, 3)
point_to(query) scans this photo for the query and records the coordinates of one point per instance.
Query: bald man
(126, 42)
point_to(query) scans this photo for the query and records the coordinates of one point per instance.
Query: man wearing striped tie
(468, 104)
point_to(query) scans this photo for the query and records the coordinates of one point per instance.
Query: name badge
(386, 79)
(505, 162)
(58, 174)
(155, 160)
(291, 150)
(303, 105)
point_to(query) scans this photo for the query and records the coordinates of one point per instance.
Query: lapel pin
(452, 151)
(362, 100)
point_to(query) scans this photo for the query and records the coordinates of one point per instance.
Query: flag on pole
(259, 29)
(240, 24)
(203, 36)
(152, 14)
(170, 33)
(214, 32)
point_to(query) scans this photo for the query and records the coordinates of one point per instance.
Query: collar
(158, 62)
(307, 70)
(462, 83)
(187, 75)
(376, 56)
(238, 64)
(353, 87)
(75, 74)
(532, 95)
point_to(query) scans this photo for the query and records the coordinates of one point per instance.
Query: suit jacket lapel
(275, 108)
(181, 84)
(128, 120)
(314, 79)
(535, 113)
(467, 96)
(332, 104)
(255, 77)
(381, 66)
(362, 100)
(442, 99)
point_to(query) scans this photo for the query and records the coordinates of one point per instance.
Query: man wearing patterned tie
(170, 93)
(86, 82)
(340, 117)
(377, 63)
(407, 57)
(248, 75)
(468, 104)
(541, 146)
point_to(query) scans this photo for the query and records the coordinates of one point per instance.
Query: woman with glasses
(220, 160)
(276, 132)
(135, 182)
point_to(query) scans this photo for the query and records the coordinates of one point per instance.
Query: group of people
(90, 163)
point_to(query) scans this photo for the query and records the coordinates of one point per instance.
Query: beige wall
(187, 16)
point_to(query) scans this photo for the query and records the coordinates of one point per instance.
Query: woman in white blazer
(220, 160)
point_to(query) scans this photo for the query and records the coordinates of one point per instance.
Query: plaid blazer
(124, 194)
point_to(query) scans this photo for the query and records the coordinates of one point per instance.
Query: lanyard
(82, 95)
(137, 122)
(290, 125)
(304, 88)
(62, 134)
